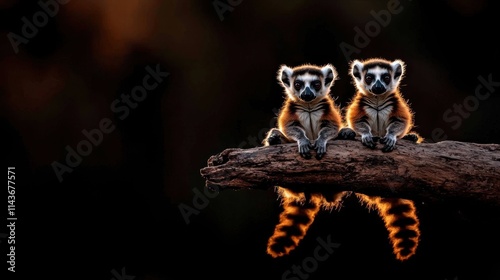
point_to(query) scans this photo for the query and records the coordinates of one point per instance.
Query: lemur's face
(308, 82)
(377, 76)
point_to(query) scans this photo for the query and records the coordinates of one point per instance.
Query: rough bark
(447, 170)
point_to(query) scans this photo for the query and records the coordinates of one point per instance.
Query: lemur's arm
(293, 131)
(396, 129)
(363, 128)
(330, 123)
(329, 130)
(400, 121)
(358, 121)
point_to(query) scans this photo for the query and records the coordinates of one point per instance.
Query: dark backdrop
(117, 213)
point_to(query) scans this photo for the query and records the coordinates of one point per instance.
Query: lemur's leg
(394, 129)
(346, 133)
(328, 131)
(274, 137)
(298, 134)
(364, 129)
(413, 136)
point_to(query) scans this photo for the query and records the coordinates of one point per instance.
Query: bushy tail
(297, 216)
(400, 218)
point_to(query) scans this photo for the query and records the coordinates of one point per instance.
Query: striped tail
(298, 214)
(401, 221)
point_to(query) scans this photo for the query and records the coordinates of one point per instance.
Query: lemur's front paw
(367, 140)
(390, 143)
(320, 146)
(305, 148)
(346, 133)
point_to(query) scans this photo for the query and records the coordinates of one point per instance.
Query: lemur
(310, 118)
(378, 112)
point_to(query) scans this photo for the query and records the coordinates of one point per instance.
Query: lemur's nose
(378, 88)
(307, 94)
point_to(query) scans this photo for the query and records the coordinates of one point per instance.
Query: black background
(119, 208)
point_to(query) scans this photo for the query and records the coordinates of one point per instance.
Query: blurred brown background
(119, 207)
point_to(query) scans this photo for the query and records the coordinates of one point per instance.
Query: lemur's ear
(356, 69)
(330, 74)
(398, 68)
(285, 76)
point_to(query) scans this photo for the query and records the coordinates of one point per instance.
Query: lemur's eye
(368, 78)
(298, 85)
(387, 78)
(316, 85)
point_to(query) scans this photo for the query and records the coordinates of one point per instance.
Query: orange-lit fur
(286, 117)
(399, 108)
(297, 216)
(300, 121)
(385, 114)
(400, 219)
(355, 112)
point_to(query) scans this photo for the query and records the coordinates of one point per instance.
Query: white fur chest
(378, 119)
(310, 121)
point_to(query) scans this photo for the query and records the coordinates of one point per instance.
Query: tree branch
(446, 170)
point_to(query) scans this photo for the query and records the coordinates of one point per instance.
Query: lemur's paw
(346, 134)
(305, 148)
(411, 137)
(274, 137)
(367, 140)
(390, 143)
(273, 140)
(320, 147)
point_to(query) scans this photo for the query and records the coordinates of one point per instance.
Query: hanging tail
(296, 218)
(401, 221)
